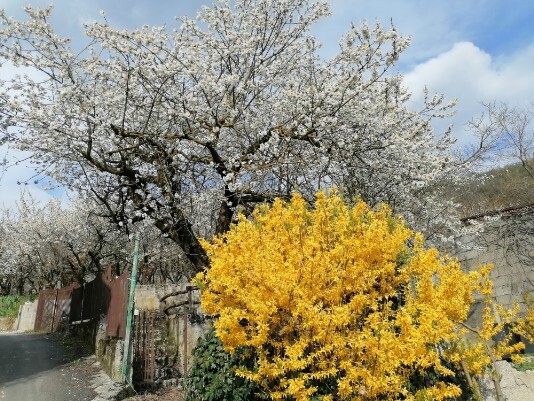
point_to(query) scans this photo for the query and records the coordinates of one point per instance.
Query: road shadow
(28, 355)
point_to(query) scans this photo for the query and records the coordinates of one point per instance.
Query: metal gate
(53, 308)
(163, 340)
(149, 347)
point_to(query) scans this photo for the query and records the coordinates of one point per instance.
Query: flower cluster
(338, 302)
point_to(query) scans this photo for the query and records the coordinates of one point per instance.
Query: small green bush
(9, 305)
(211, 376)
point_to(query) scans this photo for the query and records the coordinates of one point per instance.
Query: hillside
(499, 188)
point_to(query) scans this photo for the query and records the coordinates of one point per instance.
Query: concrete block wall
(512, 276)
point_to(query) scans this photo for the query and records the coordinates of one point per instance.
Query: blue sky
(475, 50)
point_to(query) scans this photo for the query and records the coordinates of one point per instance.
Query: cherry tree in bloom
(43, 246)
(188, 125)
(49, 245)
(6, 275)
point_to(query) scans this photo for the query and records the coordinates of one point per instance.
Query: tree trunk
(226, 212)
(181, 232)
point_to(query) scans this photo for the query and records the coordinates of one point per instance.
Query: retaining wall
(108, 350)
(507, 243)
(7, 324)
(26, 317)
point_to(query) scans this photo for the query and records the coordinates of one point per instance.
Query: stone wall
(184, 325)
(109, 353)
(147, 296)
(515, 385)
(508, 244)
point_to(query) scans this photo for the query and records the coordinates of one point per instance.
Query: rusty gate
(163, 340)
(105, 295)
(149, 346)
(53, 308)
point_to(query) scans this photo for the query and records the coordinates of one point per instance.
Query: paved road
(36, 367)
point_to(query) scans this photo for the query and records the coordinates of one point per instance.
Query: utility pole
(129, 318)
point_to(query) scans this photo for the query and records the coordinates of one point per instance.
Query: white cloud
(471, 75)
(433, 27)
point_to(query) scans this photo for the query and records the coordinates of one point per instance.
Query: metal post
(127, 336)
(54, 312)
(186, 322)
(83, 298)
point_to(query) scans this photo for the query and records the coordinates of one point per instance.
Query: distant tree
(491, 190)
(7, 279)
(44, 245)
(48, 245)
(507, 132)
(231, 109)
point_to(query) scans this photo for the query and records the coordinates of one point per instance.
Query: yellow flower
(335, 293)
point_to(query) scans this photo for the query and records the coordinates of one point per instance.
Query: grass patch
(527, 364)
(9, 304)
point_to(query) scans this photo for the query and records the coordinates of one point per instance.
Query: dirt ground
(164, 394)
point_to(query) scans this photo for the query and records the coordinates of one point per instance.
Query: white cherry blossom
(186, 125)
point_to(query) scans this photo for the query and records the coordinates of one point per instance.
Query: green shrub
(9, 305)
(211, 376)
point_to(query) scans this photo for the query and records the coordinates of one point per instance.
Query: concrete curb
(106, 389)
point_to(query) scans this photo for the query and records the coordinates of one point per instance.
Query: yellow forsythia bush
(335, 302)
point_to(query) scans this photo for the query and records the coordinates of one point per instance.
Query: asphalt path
(38, 367)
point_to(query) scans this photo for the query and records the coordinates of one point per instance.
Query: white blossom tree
(6, 275)
(30, 256)
(45, 245)
(48, 245)
(186, 126)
